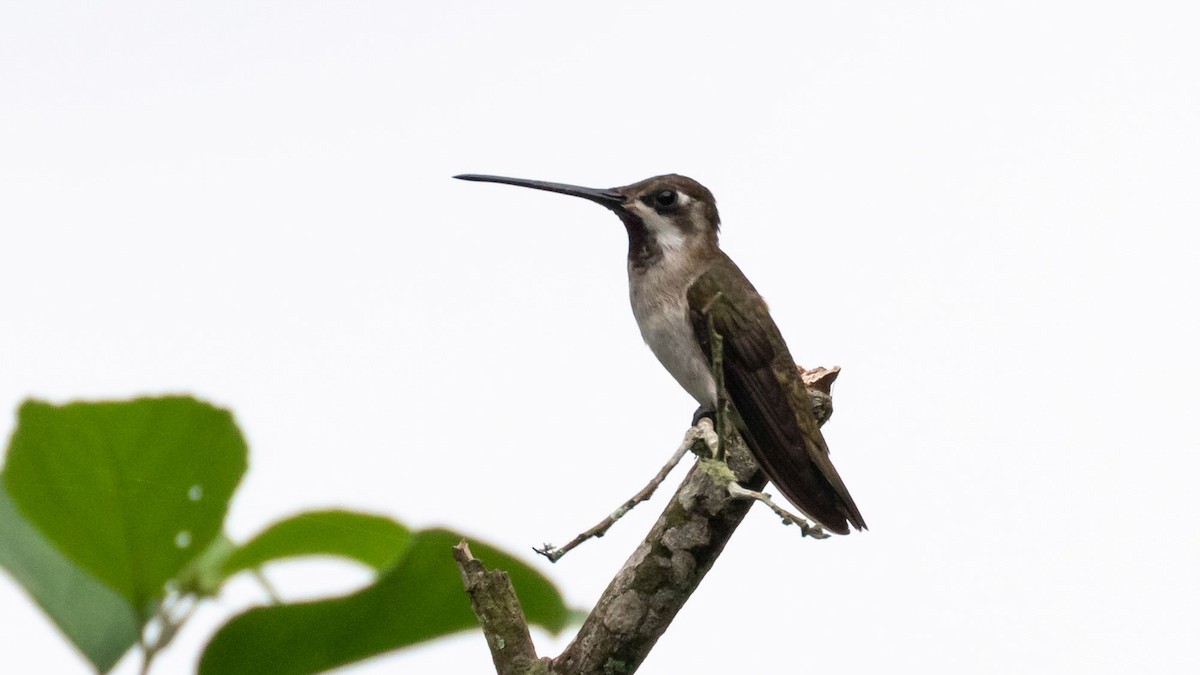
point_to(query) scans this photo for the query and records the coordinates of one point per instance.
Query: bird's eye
(664, 198)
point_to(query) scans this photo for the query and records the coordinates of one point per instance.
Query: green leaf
(418, 599)
(98, 620)
(375, 541)
(130, 491)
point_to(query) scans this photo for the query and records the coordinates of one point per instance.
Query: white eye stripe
(682, 198)
(666, 233)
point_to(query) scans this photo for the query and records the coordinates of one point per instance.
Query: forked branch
(663, 572)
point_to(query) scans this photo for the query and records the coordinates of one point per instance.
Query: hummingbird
(682, 288)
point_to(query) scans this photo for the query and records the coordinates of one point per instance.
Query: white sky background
(986, 215)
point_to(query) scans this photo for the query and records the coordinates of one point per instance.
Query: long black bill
(609, 198)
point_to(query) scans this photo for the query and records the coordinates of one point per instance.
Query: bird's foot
(704, 412)
(703, 430)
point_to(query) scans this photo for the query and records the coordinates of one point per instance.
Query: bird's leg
(806, 528)
(702, 432)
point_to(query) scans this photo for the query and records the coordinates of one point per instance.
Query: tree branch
(499, 612)
(693, 436)
(653, 585)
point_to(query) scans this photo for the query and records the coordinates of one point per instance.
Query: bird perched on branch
(684, 290)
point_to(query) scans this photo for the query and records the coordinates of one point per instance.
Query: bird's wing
(765, 388)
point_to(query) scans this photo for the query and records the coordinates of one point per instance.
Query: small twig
(500, 615)
(717, 363)
(272, 594)
(168, 628)
(150, 649)
(148, 654)
(701, 432)
(807, 529)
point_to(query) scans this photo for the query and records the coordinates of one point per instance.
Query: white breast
(659, 299)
